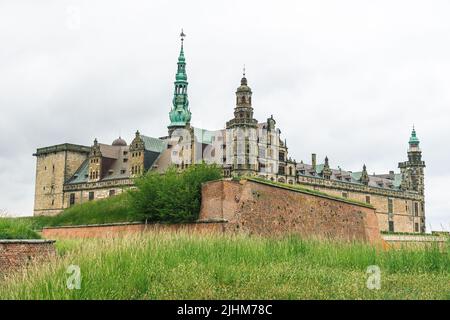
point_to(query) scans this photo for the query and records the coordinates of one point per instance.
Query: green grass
(11, 228)
(109, 210)
(180, 266)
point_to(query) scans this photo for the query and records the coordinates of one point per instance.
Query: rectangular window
(390, 206)
(391, 226)
(416, 227)
(416, 209)
(112, 192)
(72, 199)
(368, 199)
(91, 195)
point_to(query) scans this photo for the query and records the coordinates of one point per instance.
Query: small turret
(364, 176)
(326, 169)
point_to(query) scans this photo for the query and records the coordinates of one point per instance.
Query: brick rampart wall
(18, 254)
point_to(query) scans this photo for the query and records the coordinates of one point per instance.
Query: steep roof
(81, 175)
(387, 181)
(154, 144)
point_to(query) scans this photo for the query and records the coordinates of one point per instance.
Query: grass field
(17, 229)
(216, 267)
(109, 210)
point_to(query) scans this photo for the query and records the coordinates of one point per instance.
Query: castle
(68, 174)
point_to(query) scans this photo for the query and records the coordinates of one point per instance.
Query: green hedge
(174, 196)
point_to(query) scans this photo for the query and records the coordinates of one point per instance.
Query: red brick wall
(257, 208)
(122, 229)
(17, 254)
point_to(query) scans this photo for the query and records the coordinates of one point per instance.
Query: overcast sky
(346, 79)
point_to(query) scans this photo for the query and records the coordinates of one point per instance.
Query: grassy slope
(16, 229)
(212, 267)
(109, 210)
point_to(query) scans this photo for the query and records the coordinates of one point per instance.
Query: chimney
(313, 160)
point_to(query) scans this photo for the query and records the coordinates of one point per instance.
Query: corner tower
(180, 115)
(412, 170)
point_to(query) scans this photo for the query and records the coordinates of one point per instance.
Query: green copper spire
(180, 115)
(413, 140)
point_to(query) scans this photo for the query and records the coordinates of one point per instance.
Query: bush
(12, 228)
(174, 196)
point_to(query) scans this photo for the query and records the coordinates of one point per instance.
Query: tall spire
(180, 115)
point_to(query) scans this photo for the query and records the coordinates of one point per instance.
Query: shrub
(174, 196)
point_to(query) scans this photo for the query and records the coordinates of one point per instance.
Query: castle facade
(68, 174)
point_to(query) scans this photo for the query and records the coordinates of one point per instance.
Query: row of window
(91, 196)
(53, 168)
(94, 174)
(136, 154)
(391, 205)
(392, 228)
(136, 169)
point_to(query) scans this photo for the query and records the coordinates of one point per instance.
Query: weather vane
(243, 70)
(182, 35)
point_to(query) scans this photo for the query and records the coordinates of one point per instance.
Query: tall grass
(11, 228)
(181, 266)
(109, 210)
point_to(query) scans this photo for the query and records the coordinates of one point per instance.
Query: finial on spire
(243, 71)
(182, 36)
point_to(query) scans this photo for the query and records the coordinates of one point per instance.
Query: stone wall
(254, 207)
(18, 254)
(404, 216)
(114, 230)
